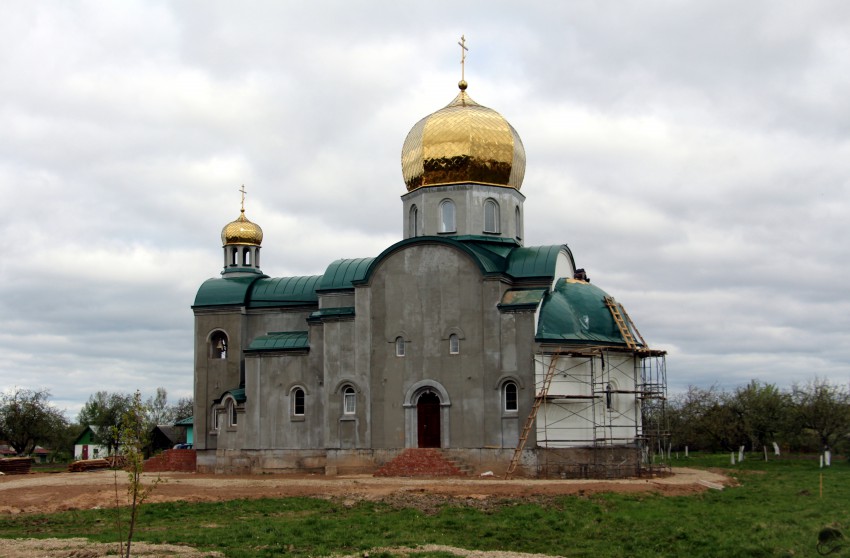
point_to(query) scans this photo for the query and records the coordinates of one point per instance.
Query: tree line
(809, 417)
(29, 419)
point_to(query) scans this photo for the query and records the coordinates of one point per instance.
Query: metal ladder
(529, 422)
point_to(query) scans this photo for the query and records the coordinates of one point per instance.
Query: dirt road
(44, 493)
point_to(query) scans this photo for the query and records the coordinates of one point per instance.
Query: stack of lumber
(111, 462)
(15, 465)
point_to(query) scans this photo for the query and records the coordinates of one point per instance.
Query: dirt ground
(46, 493)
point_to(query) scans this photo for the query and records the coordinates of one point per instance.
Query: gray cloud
(693, 155)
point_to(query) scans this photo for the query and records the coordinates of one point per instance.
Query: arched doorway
(428, 420)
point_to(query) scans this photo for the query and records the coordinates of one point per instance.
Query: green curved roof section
(285, 291)
(238, 394)
(280, 341)
(341, 273)
(493, 255)
(224, 292)
(575, 311)
(534, 261)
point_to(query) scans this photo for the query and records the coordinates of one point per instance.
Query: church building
(458, 337)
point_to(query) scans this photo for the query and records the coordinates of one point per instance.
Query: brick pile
(420, 462)
(172, 460)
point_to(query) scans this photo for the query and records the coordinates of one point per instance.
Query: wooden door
(428, 420)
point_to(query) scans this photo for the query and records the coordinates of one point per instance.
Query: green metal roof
(280, 341)
(189, 421)
(340, 312)
(341, 273)
(284, 291)
(576, 311)
(534, 261)
(224, 292)
(493, 255)
(237, 393)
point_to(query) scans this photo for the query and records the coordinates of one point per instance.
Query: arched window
(233, 255)
(231, 412)
(246, 256)
(454, 344)
(510, 397)
(215, 419)
(298, 402)
(399, 346)
(447, 216)
(349, 401)
(518, 220)
(218, 345)
(491, 216)
(413, 224)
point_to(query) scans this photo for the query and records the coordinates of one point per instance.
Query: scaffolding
(599, 411)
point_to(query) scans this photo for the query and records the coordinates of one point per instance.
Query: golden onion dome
(463, 142)
(242, 231)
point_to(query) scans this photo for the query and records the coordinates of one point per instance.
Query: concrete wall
(469, 209)
(425, 293)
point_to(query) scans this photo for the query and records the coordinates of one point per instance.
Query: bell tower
(463, 166)
(241, 240)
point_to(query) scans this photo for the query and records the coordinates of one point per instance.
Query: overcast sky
(695, 156)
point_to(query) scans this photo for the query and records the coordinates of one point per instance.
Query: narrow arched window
(491, 216)
(447, 216)
(349, 401)
(246, 256)
(454, 344)
(399, 346)
(518, 220)
(413, 224)
(215, 419)
(231, 412)
(257, 258)
(218, 345)
(298, 402)
(233, 255)
(510, 397)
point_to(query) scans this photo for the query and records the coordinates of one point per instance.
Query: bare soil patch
(47, 493)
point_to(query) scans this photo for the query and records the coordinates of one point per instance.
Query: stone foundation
(588, 463)
(620, 462)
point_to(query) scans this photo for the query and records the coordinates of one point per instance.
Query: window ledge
(348, 418)
(297, 418)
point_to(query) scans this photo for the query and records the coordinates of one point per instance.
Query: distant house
(87, 446)
(188, 424)
(39, 454)
(165, 436)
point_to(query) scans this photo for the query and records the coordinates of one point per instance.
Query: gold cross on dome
(463, 51)
(242, 189)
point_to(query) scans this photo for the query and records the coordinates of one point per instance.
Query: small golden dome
(242, 231)
(463, 142)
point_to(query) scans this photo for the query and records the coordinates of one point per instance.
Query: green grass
(776, 510)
